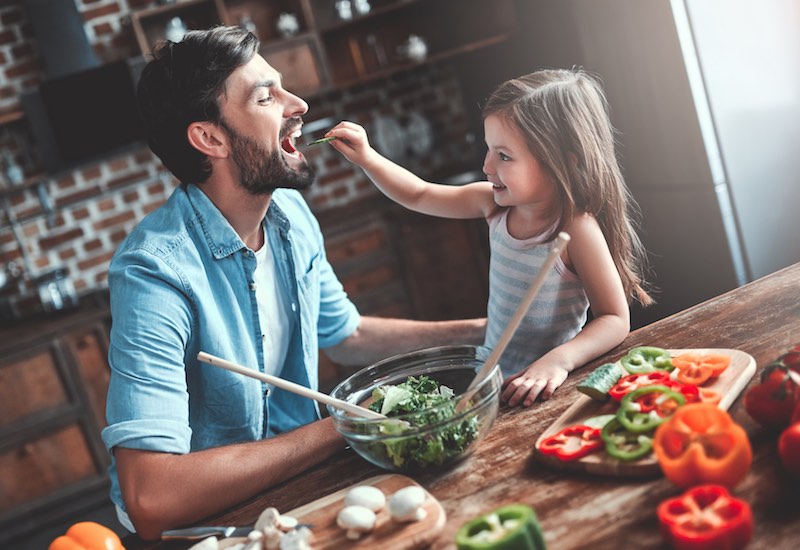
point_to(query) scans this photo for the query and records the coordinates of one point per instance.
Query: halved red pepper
(572, 443)
(706, 517)
(631, 382)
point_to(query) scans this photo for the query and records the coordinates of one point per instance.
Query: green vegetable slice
(624, 445)
(513, 527)
(599, 421)
(321, 140)
(600, 381)
(645, 359)
(634, 419)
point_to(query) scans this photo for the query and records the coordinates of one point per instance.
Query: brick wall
(77, 220)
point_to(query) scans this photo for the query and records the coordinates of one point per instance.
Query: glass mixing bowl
(431, 438)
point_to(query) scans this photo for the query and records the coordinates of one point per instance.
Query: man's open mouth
(288, 141)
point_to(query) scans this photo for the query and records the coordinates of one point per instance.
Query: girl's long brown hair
(563, 115)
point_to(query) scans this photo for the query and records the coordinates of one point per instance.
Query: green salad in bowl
(419, 393)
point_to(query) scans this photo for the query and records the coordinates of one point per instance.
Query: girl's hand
(540, 378)
(351, 141)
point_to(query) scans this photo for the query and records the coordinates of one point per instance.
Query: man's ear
(208, 138)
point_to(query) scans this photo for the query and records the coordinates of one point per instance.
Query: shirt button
(294, 306)
(253, 287)
(263, 336)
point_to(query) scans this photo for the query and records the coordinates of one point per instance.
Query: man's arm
(163, 490)
(377, 338)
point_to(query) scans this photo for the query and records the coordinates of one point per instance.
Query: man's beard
(262, 171)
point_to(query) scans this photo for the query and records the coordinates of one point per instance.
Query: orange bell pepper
(87, 535)
(696, 368)
(699, 444)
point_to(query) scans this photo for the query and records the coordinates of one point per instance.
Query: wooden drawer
(33, 383)
(52, 408)
(41, 467)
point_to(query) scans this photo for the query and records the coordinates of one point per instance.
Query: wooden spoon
(561, 241)
(289, 386)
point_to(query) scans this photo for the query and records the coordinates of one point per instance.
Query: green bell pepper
(512, 527)
(635, 420)
(624, 445)
(645, 359)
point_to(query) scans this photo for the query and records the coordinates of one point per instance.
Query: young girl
(550, 167)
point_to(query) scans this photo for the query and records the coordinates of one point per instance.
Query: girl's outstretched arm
(474, 200)
(588, 255)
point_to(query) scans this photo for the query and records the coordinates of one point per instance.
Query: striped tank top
(558, 312)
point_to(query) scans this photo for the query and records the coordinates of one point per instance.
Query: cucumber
(599, 421)
(600, 381)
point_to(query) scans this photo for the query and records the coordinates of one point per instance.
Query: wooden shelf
(329, 53)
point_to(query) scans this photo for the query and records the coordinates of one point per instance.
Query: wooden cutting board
(321, 514)
(729, 384)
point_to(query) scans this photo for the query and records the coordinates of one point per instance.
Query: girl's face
(519, 178)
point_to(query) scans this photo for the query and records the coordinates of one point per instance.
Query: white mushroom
(298, 539)
(406, 504)
(272, 537)
(356, 520)
(287, 523)
(366, 496)
(268, 518)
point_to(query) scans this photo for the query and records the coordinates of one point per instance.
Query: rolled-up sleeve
(148, 402)
(338, 316)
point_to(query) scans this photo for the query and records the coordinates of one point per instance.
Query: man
(234, 265)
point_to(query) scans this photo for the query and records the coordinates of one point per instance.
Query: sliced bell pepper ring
(706, 516)
(707, 395)
(700, 443)
(572, 443)
(513, 526)
(627, 384)
(693, 374)
(646, 359)
(660, 401)
(717, 362)
(624, 445)
(696, 394)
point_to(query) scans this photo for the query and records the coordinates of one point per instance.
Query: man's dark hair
(181, 85)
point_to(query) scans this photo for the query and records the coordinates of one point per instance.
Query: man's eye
(264, 100)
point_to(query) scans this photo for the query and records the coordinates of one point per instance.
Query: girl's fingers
(534, 392)
(523, 391)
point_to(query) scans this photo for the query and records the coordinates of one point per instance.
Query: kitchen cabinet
(319, 45)
(53, 381)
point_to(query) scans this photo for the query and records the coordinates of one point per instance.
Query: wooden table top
(587, 511)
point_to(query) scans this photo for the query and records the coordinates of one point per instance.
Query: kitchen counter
(589, 511)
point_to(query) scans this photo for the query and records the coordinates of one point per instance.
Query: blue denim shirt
(181, 283)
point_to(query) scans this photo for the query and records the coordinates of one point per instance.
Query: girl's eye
(503, 156)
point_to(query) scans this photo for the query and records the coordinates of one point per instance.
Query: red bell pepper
(572, 443)
(631, 382)
(706, 517)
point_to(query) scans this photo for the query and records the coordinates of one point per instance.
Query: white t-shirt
(273, 311)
